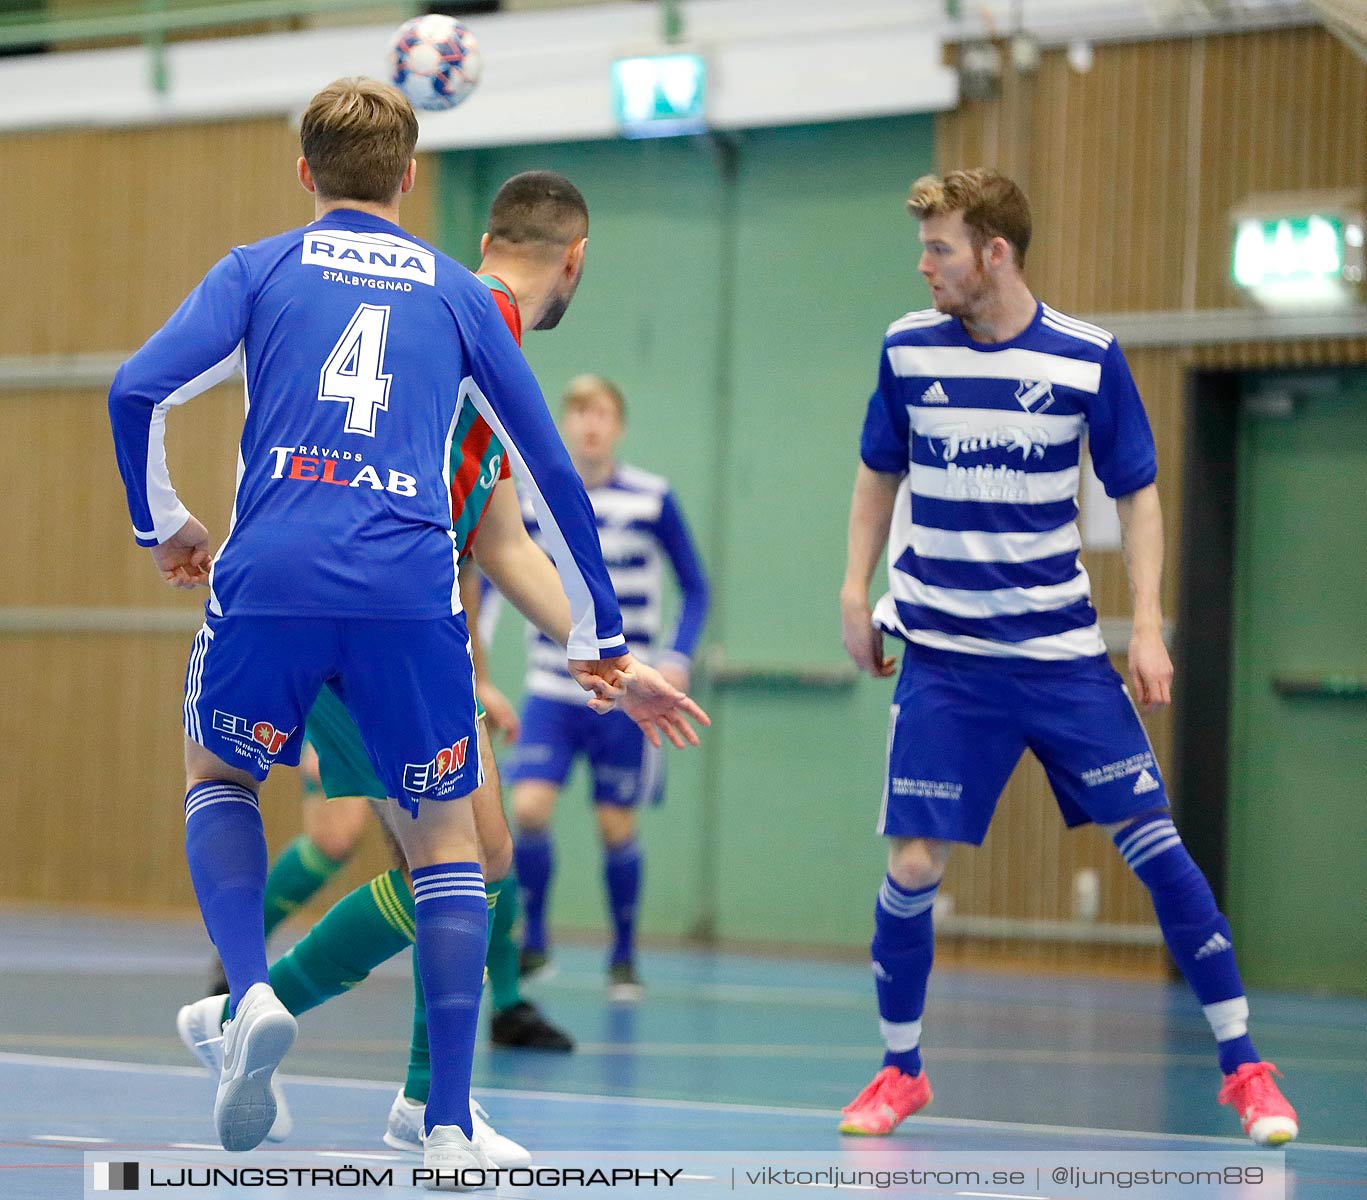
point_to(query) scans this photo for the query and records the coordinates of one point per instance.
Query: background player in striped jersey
(969, 476)
(354, 584)
(640, 526)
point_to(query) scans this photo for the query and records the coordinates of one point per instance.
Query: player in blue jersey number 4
(969, 477)
(360, 347)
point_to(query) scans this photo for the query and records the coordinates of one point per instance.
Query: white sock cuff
(900, 1036)
(1228, 1018)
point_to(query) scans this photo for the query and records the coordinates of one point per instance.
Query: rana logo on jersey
(419, 778)
(1035, 395)
(370, 254)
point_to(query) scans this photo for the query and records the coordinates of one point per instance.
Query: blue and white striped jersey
(640, 526)
(982, 552)
(360, 347)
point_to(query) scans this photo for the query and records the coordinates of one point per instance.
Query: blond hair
(582, 388)
(358, 137)
(992, 206)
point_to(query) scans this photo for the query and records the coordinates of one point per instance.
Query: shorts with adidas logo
(961, 722)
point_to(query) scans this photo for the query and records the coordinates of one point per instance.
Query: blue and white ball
(434, 61)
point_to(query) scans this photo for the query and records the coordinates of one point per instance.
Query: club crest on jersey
(420, 778)
(1035, 395)
(263, 733)
(370, 254)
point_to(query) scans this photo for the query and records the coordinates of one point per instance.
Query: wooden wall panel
(93, 785)
(110, 229)
(1282, 111)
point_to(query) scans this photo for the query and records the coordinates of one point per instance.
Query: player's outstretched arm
(871, 505)
(1141, 540)
(505, 393)
(518, 567)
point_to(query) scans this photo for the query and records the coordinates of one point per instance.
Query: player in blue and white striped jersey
(361, 347)
(969, 475)
(641, 528)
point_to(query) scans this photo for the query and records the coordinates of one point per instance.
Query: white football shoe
(199, 1027)
(404, 1132)
(447, 1150)
(253, 1043)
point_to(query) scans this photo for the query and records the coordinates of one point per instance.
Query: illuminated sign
(1299, 259)
(660, 95)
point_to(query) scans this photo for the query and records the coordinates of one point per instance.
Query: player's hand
(600, 676)
(184, 558)
(1150, 667)
(863, 641)
(499, 711)
(655, 705)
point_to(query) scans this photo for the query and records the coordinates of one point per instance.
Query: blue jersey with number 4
(361, 347)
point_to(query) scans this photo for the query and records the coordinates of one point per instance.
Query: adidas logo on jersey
(1216, 944)
(935, 394)
(1145, 783)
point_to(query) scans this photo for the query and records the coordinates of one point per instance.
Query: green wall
(738, 292)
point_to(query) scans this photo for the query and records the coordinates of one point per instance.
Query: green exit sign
(660, 95)
(1299, 259)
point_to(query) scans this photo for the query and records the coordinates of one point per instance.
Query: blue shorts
(960, 724)
(627, 770)
(409, 686)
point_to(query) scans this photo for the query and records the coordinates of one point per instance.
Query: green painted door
(738, 292)
(1298, 806)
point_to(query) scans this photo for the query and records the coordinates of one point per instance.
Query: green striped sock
(502, 957)
(355, 936)
(294, 879)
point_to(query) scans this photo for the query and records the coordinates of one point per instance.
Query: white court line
(350, 1154)
(63, 1137)
(194, 1146)
(760, 1110)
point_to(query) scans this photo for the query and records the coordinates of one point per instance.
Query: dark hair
(358, 137)
(538, 207)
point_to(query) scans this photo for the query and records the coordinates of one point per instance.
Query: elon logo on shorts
(421, 777)
(263, 733)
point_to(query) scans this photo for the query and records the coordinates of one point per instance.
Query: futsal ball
(434, 61)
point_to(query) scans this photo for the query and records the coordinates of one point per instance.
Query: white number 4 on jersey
(353, 373)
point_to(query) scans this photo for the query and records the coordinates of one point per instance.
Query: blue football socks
(903, 949)
(534, 860)
(452, 916)
(1196, 932)
(225, 846)
(622, 877)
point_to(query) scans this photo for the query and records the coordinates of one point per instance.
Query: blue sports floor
(728, 1060)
